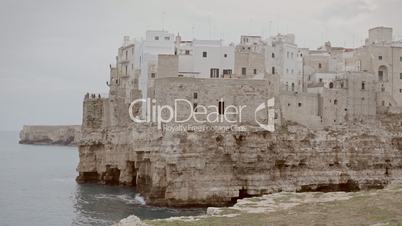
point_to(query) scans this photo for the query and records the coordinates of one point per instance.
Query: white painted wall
(146, 54)
(196, 65)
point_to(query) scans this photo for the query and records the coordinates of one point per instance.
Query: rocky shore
(50, 135)
(374, 207)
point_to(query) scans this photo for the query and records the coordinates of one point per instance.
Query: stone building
(249, 57)
(340, 85)
(382, 57)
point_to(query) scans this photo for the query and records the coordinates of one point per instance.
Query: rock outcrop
(50, 135)
(215, 169)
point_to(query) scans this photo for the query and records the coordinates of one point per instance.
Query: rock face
(52, 135)
(215, 169)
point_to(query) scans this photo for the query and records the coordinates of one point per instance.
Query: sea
(37, 187)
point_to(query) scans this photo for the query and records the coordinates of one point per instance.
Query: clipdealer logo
(200, 114)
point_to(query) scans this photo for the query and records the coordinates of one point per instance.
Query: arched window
(331, 85)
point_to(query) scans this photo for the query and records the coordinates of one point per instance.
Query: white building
(283, 57)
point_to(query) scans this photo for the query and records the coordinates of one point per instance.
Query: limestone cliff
(212, 168)
(54, 135)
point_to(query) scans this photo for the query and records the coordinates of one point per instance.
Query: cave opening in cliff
(132, 172)
(88, 177)
(349, 186)
(111, 176)
(242, 194)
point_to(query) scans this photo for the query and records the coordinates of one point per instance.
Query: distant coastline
(64, 135)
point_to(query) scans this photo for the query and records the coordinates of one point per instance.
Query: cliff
(53, 135)
(215, 169)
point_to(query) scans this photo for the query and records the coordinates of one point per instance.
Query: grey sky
(52, 52)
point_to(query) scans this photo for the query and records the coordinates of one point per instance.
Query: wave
(137, 200)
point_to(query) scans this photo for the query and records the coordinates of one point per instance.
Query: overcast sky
(53, 51)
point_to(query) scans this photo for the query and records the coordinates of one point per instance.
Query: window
(126, 54)
(363, 85)
(167, 38)
(204, 54)
(221, 107)
(319, 65)
(320, 80)
(187, 52)
(214, 72)
(225, 55)
(227, 71)
(273, 70)
(341, 84)
(291, 55)
(255, 71)
(287, 55)
(400, 90)
(152, 75)
(195, 107)
(195, 95)
(273, 55)
(335, 102)
(380, 57)
(400, 58)
(300, 104)
(243, 71)
(156, 38)
(400, 75)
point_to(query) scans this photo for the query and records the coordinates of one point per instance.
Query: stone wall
(168, 66)
(210, 92)
(302, 108)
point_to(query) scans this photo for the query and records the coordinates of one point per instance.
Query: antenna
(209, 25)
(270, 28)
(163, 20)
